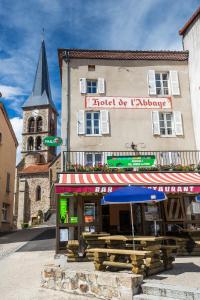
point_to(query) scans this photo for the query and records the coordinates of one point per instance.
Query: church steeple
(39, 115)
(41, 93)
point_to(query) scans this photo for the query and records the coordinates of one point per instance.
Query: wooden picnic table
(133, 259)
(163, 254)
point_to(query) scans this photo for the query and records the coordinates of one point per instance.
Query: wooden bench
(131, 259)
(168, 255)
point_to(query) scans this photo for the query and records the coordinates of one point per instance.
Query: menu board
(89, 212)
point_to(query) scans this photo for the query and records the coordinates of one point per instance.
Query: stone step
(150, 297)
(170, 291)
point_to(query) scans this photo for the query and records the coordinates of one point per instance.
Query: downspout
(66, 116)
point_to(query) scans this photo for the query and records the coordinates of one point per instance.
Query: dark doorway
(125, 221)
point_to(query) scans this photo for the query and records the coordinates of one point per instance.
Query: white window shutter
(101, 86)
(152, 82)
(174, 83)
(178, 123)
(81, 122)
(155, 122)
(83, 85)
(80, 158)
(104, 118)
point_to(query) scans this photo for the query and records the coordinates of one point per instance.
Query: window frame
(37, 148)
(173, 134)
(38, 188)
(39, 124)
(4, 210)
(30, 138)
(87, 86)
(31, 120)
(93, 159)
(92, 123)
(162, 88)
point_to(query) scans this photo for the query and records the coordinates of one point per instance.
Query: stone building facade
(34, 199)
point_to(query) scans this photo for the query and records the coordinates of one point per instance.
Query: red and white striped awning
(130, 178)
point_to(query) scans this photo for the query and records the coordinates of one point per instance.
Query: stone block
(92, 278)
(73, 284)
(83, 288)
(126, 294)
(107, 279)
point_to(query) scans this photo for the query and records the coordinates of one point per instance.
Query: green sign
(131, 161)
(63, 210)
(52, 141)
(73, 220)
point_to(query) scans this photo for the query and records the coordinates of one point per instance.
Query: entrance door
(125, 221)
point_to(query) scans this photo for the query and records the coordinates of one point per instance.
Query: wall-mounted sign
(111, 188)
(64, 235)
(195, 208)
(89, 212)
(128, 102)
(52, 141)
(73, 220)
(131, 161)
(151, 216)
(63, 210)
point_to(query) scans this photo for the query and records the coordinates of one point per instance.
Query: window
(38, 193)
(162, 83)
(166, 123)
(5, 208)
(91, 67)
(31, 125)
(8, 183)
(91, 86)
(92, 123)
(0, 138)
(39, 124)
(30, 143)
(93, 159)
(38, 145)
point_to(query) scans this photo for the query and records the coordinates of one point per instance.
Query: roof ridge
(122, 51)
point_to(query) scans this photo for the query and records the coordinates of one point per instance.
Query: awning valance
(88, 182)
(130, 178)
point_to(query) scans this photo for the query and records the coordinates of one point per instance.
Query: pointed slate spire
(41, 93)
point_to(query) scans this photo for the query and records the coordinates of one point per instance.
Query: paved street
(22, 256)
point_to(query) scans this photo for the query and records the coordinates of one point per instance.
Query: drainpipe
(66, 106)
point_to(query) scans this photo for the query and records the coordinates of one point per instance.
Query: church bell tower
(39, 115)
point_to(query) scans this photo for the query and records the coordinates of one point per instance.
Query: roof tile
(37, 168)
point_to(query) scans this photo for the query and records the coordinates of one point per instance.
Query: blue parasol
(131, 195)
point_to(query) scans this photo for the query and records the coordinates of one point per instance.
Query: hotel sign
(128, 102)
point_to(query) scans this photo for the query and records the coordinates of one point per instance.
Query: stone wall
(102, 285)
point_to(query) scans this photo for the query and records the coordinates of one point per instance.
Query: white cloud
(10, 92)
(17, 124)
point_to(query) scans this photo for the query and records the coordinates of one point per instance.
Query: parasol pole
(155, 228)
(131, 207)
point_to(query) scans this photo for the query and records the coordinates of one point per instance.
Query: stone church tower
(39, 114)
(39, 164)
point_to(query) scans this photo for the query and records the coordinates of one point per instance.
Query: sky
(86, 24)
